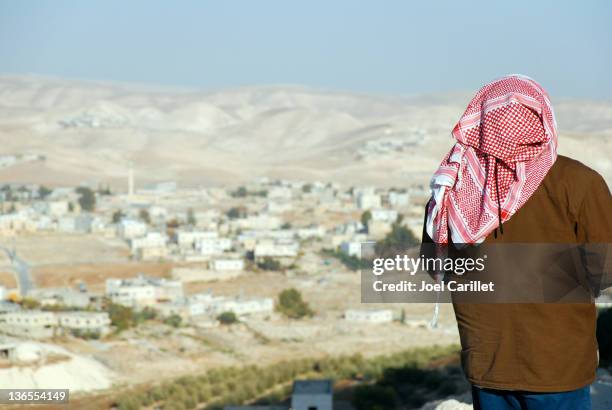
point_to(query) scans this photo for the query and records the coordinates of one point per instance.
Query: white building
(142, 291)
(225, 264)
(398, 199)
(369, 316)
(279, 192)
(213, 246)
(188, 239)
(85, 321)
(278, 207)
(243, 307)
(17, 222)
(351, 248)
(74, 223)
(311, 232)
(56, 208)
(258, 222)
(368, 201)
(276, 249)
(150, 240)
(129, 229)
(383, 215)
(312, 394)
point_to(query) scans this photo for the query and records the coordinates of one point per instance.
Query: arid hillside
(57, 131)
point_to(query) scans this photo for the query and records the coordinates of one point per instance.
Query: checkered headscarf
(506, 143)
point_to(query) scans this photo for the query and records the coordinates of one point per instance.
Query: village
(181, 278)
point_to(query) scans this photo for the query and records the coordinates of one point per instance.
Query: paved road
(22, 271)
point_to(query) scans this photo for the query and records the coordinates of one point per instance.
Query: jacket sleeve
(594, 231)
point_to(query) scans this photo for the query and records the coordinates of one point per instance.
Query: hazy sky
(369, 46)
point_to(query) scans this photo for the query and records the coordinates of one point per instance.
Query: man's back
(541, 347)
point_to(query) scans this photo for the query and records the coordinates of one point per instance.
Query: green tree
(291, 304)
(191, 219)
(143, 214)
(118, 216)
(29, 303)
(87, 198)
(269, 263)
(241, 192)
(173, 320)
(398, 240)
(236, 212)
(122, 317)
(366, 217)
(227, 318)
(44, 192)
(374, 397)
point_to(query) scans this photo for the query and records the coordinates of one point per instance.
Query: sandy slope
(88, 132)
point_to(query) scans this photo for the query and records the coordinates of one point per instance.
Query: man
(503, 182)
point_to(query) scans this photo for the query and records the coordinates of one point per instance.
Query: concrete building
(130, 229)
(29, 323)
(242, 307)
(142, 291)
(369, 316)
(224, 264)
(60, 297)
(85, 321)
(312, 395)
(75, 223)
(188, 239)
(276, 249)
(306, 395)
(213, 246)
(150, 240)
(383, 215)
(398, 199)
(258, 222)
(368, 201)
(351, 248)
(56, 208)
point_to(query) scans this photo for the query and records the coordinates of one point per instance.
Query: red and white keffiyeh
(506, 143)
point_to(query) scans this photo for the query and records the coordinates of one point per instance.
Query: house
(85, 321)
(129, 229)
(368, 201)
(383, 215)
(351, 248)
(60, 296)
(369, 316)
(188, 239)
(398, 199)
(258, 222)
(312, 395)
(150, 240)
(213, 246)
(280, 192)
(243, 307)
(30, 323)
(278, 207)
(311, 232)
(276, 249)
(143, 291)
(17, 222)
(55, 208)
(379, 229)
(78, 223)
(226, 264)
(306, 395)
(150, 247)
